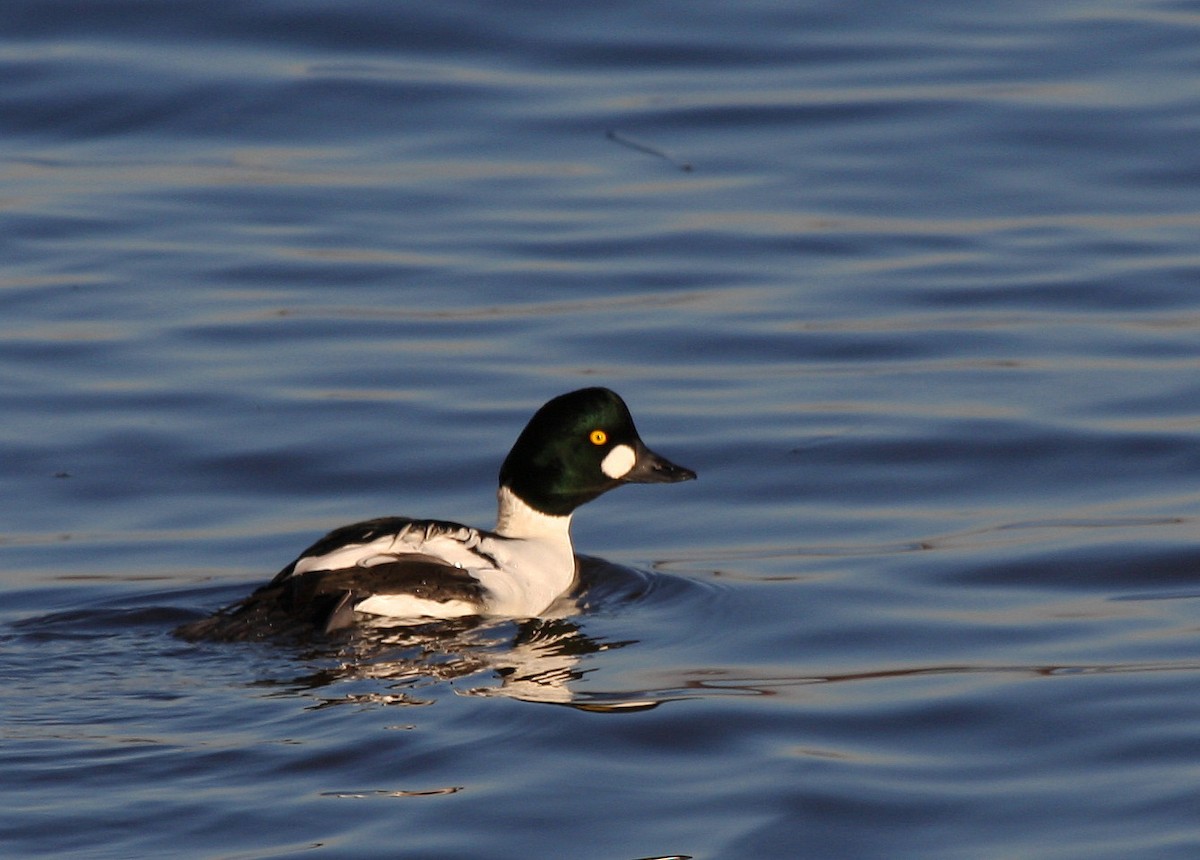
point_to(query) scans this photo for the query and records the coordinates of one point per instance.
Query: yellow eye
(598, 437)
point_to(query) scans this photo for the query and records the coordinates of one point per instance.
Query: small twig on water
(685, 166)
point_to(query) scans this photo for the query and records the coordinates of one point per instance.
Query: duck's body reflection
(534, 660)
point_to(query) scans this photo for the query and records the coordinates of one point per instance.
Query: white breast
(535, 555)
(530, 576)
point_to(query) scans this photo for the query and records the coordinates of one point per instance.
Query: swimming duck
(401, 570)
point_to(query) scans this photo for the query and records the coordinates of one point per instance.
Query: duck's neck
(516, 519)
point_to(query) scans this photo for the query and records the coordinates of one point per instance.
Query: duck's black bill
(650, 468)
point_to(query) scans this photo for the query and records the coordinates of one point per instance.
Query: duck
(399, 570)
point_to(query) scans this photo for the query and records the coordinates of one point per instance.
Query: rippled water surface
(915, 289)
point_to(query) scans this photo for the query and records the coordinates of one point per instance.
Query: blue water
(915, 289)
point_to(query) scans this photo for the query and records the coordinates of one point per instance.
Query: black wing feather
(325, 599)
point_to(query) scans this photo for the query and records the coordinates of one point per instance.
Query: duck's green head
(580, 445)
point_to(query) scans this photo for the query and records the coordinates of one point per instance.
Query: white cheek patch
(618, 462)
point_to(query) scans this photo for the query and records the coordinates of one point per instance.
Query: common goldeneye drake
(396, 569)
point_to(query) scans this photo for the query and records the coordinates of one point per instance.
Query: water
(923, 314)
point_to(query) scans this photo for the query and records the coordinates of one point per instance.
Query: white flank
(410, 606)
(350, 555)
(618, 462)
(524, 568)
